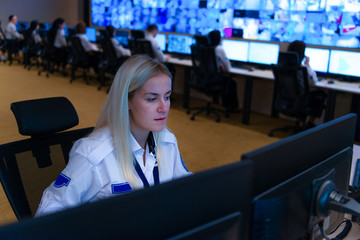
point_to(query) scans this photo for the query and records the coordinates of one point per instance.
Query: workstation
(332, 163)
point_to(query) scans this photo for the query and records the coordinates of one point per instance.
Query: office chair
(79, 59)
(28, 166)
(292, 95)
(206, 79)
(31, 51)
(140, 46)
(109, 62)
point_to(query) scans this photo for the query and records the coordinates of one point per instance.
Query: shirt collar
(150, 143)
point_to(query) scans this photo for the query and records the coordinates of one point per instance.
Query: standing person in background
(317, 97)
(57, 42)
(10, 31)
(229, 97)
(120, 50)
(130, 147)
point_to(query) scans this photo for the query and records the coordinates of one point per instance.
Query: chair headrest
(44, 116)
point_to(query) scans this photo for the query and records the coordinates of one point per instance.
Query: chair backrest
(78, 53)
(140, 46)
(205, 68)
(28, 166)
(292, 89)
(108, 51)
(289, 59)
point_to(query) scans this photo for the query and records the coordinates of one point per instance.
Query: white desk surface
(339, 86)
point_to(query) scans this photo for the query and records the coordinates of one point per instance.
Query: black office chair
(28, 166)
(109, 62)
(292, 95)
(141, 46)
(206, 78)
(31, 51)
(79, 58)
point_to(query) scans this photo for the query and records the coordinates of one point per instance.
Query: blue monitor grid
(180, 44)
(319, 58)
(344, 63)
(91, 34)
(161, 38)
(263, 53)
(236, 50)
(122, 37)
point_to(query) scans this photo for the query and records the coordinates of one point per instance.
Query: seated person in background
(150, 34)
(32, 36)
(57, 41)
(130, 147)
(2, 45)
(317, 97)
(229, 97)
(120, 50)
(10, 31)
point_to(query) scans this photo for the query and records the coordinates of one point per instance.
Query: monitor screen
(263, 53)
(122, 37)
(236, 50)
(91, 34)
(319, 58)
(161, 38)
(22, 26)
(205, 205)
(292, 165)
(180, 44)
(344, 63)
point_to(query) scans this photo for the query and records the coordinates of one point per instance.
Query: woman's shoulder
(169, 137)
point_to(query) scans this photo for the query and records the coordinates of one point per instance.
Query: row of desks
(332, 87)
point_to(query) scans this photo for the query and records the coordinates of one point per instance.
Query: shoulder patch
(120, 188)
(62, 180)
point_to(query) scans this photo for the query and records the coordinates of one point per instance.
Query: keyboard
(238, 66)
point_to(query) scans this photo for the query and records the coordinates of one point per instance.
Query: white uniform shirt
(312, 75)
(93, 172)
(221, 58)
(120, 50)
(159, 55)
(11, 32)
(88, 46)
(60, 40)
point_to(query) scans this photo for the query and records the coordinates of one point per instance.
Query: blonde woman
(130, 147)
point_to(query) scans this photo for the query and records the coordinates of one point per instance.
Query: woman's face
(149, 106)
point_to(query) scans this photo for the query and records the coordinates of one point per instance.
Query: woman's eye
(151, 99)
(167, 98)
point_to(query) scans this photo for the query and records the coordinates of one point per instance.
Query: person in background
(10, 31)
(33, 31)
(120, 50)
(33, 41)
(317, 97)
(229, 96)
(57, 42)
(150, 34)
(2, 45)
(130, 147)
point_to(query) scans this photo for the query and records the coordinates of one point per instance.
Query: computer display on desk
(344, 63)
(180, 44)
(263, 53)
(161, 38)
(91, 34)
(122, 37)
(294, 178)
(214, 204)
(22, 26)
(236, 50)
(319, 58)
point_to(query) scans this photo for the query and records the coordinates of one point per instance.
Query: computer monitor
(122, 37)
(319, 58)
(201, 206)
(263, 53)
(289, 175)
(161, 38)
(345, 63)
(22, 26)
(91, 34)
(180, 44)
(236, 50)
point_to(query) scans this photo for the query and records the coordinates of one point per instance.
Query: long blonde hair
(115, 114)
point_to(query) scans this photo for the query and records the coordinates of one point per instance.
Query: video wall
(319, 22)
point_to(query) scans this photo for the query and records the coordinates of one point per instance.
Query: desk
(247, 94)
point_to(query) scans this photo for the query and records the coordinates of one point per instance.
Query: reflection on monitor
(319, 58)
(122, 37)
(344, 63)
(91, 34)
(206, 205)
(236, 50)
(180, 44)
(290, 175)
(263, 53)
(161, 38)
